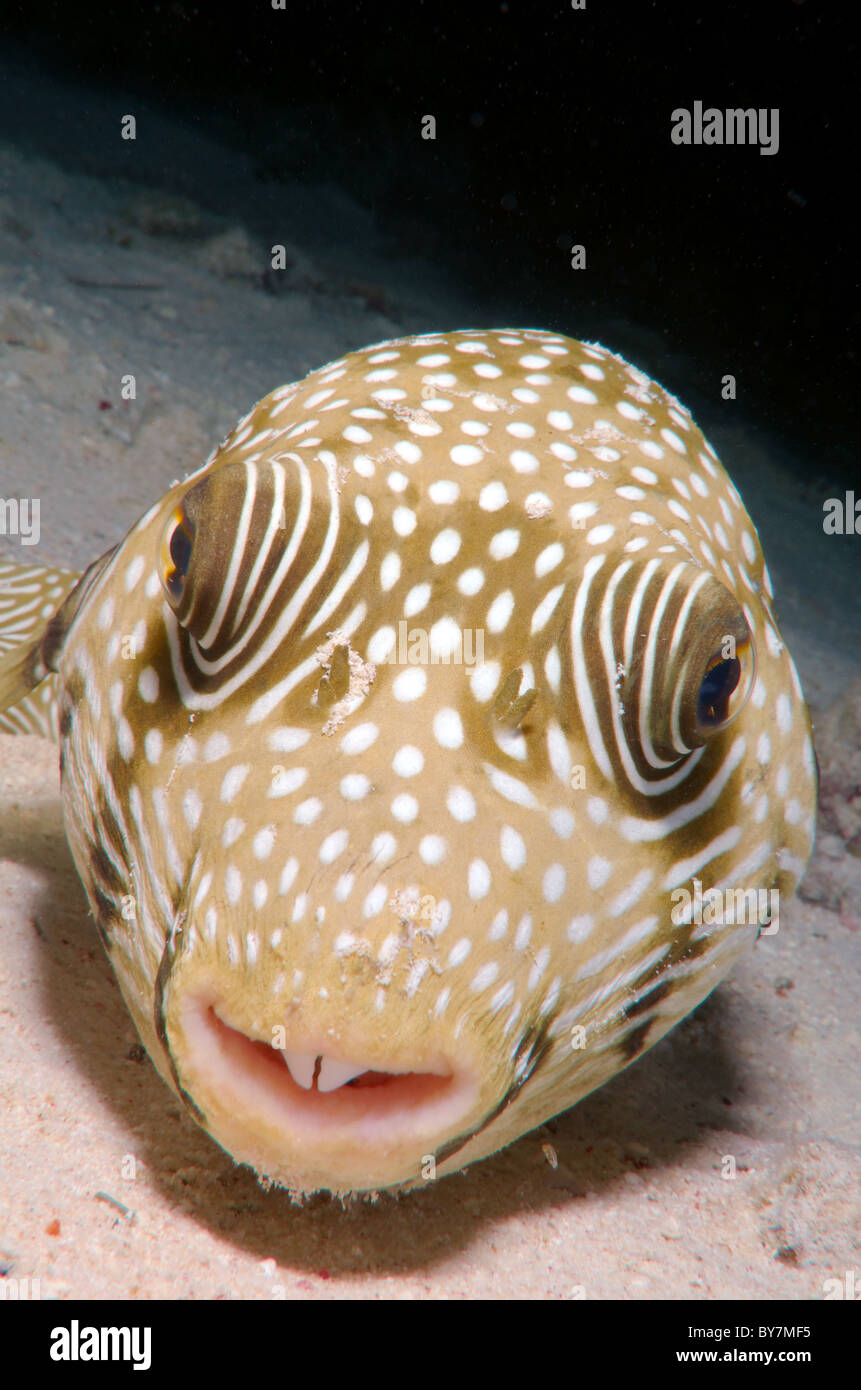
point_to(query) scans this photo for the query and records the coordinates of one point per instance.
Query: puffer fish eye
(725, 688)
(177, 556)
(719, 682)
(220, 550)
(688, 661)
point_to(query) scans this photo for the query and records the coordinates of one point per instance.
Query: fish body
(393, 738)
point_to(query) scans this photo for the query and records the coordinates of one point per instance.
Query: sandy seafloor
(622, 1197)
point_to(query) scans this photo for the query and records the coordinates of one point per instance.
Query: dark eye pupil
(718, 684)
(180, 550)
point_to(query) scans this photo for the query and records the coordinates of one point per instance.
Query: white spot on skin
(492, 497)
(405, 808)
(471, 581)
(500, 611)
(464, 455)
(432, 849)
(549, 558)
(553, 885)
(216, 746)
(546, 608)
(354, 786)
(333, 845)
(512, 848)
(263, 842)
(581, 395)
(523, 462)
(408, 761)
(499, 926)
(542, 960)
(559, 753)
(288, 740)
(416, 600)
(443, 492)
(390, 571)
(407, 451)
(579, 928)
(288, 781)
(459, 952)
(233, 884)
(537, 504)
(523, 933)
(484, 680)
(461, 804)
(599, 534)
(671, 438)
(381, 644)
(404, 521)
(233, 781)
(598, 870)
(409, 685)
(560, 420)
(581, 511)
(504, 544)
(288, 876)
(360, 739)
(375, 901)
(479, 879)
(232, 830)
(134, 572)
(448, 729)
(484, 977)
(445, 546)
(562, 822)
(148, 685)
(383, 847)
(153, 743)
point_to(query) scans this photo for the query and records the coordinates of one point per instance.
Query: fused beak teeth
(332, 1072)
(301, 1067)
(312, 1120)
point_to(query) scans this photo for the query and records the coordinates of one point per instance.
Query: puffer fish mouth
(307, 1114)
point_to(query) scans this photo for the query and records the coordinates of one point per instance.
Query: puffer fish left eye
(686, 653)
(716, 691)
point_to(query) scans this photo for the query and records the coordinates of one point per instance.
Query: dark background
(553, 127)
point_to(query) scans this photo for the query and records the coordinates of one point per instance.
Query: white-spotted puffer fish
(388, 737)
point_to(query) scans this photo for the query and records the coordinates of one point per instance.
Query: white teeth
(334, 1074)
(301, 1068)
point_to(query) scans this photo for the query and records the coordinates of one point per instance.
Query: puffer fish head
(389, 734)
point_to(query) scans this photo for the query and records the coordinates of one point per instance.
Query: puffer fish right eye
(179, 541)
(676, 645)
(716, 690)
